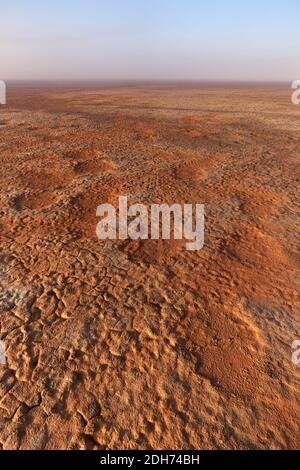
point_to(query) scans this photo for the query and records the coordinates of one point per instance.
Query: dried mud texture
(144, 345)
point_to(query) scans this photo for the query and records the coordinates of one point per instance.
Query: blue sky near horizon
(150, 39)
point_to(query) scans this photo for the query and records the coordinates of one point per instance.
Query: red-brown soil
(144, 345)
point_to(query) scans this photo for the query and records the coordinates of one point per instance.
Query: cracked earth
(142, 344)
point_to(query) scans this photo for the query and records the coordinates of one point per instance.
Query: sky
(251, 40)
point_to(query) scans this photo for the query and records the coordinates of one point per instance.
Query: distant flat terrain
(142, 344)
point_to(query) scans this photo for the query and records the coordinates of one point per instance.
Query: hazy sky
(150, 39)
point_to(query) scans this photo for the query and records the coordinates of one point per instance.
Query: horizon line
(123, 81)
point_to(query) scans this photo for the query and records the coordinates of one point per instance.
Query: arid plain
(142, 344)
